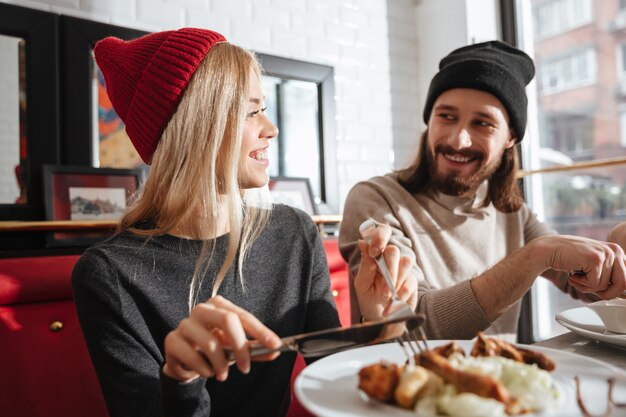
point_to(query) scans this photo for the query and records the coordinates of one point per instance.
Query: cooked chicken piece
(491, 346)
(433, 387)
(412, 380)
(484, 346)
(379, 381)
(448, 349)
(542, 361)
(481, 385)
(507, 350)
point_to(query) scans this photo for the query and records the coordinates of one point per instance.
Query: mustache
(449, 150)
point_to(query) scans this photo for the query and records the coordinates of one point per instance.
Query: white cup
(612, 313)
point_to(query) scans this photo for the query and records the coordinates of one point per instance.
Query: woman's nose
(459, 139)
(269, 130)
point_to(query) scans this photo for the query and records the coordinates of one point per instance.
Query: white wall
(421, 32)
(444, 25)
(384, 53)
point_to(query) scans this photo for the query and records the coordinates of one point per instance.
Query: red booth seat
(46, 370)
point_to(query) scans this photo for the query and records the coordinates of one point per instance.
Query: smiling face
(468, 131)
(258, 129)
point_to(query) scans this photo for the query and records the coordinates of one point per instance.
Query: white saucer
(586, 323)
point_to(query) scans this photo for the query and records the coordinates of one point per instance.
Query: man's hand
(594, 266)
(372, 292)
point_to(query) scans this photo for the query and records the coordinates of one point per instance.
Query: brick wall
(370, 44)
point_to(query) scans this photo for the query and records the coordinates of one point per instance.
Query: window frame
(533, 298)
(40, 30)
(323, 77)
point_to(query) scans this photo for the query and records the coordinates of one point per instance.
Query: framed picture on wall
(293, 191)
(86, 194)
(87, 111)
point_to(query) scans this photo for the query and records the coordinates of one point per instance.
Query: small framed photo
(85, 193)
(293, 191)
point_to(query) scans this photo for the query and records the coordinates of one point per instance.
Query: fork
(367, 229)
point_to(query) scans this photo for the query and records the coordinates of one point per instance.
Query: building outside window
(572, 70)
(570, 133)
(579, 133)
(553, 17)
(622, 125)
(621, 61)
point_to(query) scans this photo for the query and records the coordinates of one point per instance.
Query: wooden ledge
(56, 225)
(60, 225)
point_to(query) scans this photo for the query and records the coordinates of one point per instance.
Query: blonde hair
(197, 162)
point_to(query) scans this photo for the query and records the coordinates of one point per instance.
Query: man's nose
(460, 139)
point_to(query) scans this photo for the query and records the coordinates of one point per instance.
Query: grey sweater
(131, 291)
(451, 240)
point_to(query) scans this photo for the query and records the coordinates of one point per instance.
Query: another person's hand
(373, 295)
(594, 266)
(195, 348)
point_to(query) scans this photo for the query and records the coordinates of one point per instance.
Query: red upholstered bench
(46, 370)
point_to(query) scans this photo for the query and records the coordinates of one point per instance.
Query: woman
(201, 260)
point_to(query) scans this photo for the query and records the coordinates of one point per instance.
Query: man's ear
(511, 141)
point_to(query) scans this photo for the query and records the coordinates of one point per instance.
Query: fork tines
(409, 339)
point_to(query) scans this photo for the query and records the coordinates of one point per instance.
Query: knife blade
(325, 342)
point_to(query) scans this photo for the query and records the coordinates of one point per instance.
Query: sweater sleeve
(119, 344)
(451, 312)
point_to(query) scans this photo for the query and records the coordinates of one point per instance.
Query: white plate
(328, 387)
(586, 323)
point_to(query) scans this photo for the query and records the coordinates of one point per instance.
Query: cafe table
(575, 343)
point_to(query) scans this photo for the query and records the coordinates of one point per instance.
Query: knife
(325, 342)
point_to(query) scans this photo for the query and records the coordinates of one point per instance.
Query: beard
(453, 183)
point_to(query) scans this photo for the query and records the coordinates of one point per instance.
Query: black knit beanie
(494, 67)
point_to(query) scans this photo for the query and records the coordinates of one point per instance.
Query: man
(458, 211)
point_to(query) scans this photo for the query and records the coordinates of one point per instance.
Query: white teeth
(260, 155)
(455, 158)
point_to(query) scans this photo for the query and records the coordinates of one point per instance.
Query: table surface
(572, 342)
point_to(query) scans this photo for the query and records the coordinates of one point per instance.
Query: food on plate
(380, 380)
(497, 379)
(491, 346)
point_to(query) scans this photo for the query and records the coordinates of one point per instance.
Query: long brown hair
(504, 190)
(194, 169)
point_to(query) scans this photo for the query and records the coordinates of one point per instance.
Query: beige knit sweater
(451, 240)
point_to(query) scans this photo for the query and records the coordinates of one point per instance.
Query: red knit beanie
(145, 78)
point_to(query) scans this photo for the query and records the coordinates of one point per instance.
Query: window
(622, 126)
(293, 106)
(553, 17)
(564, 72)
(574, 131)
(300, 101)
(621, 61)
(571, 134)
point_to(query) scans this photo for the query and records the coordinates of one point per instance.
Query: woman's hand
(373, 295)
(195, 348)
